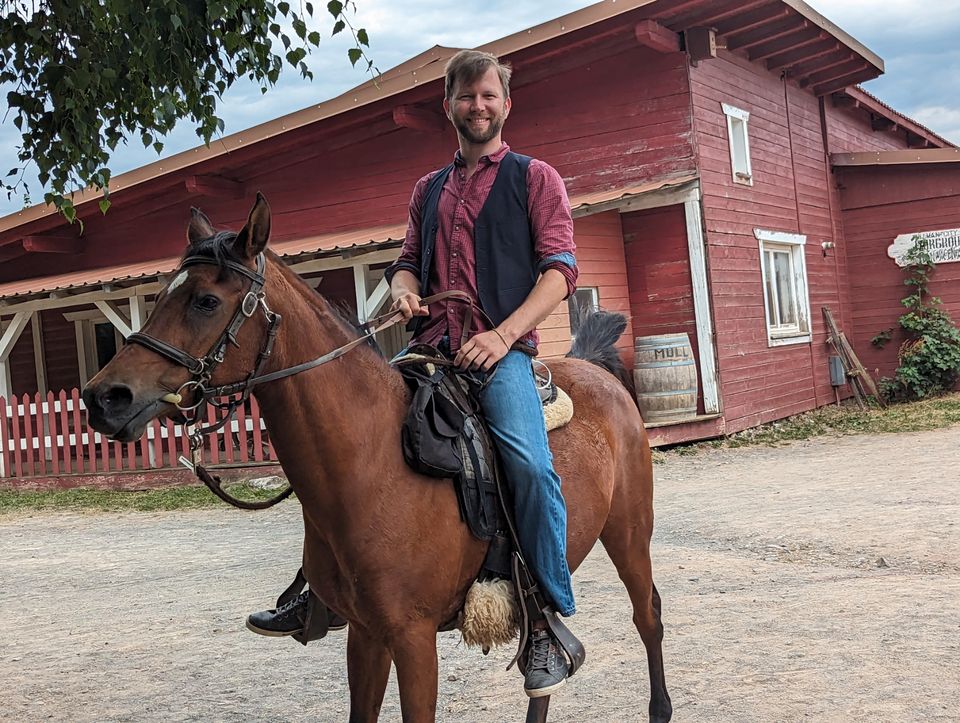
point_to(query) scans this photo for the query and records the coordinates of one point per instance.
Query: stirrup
(316, 623)
(532, 608)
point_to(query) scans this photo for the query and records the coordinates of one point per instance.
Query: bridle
(237, 393)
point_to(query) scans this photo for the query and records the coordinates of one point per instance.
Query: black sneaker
(288, 618)
(546, 666)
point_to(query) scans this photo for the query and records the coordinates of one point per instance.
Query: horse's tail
(596, 335)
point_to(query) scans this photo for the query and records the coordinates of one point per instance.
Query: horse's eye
(207, 303)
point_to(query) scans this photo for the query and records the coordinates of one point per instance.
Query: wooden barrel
(665, 374)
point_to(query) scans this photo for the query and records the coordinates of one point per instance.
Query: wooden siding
(658, 272)
(60, 352)
(791, 194)
(879, 204)
(849, 131)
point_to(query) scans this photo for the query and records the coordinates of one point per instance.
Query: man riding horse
(496, 225)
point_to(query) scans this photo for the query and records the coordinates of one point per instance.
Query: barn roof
(788, 36)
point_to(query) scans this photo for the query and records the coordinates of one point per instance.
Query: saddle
(444, 435)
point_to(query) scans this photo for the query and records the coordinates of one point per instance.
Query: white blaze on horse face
(180, 278)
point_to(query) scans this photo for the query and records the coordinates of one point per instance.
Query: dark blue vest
(506, 262)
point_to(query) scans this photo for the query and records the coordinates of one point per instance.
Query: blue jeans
(514, 414)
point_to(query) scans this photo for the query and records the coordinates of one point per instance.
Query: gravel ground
(816, 581)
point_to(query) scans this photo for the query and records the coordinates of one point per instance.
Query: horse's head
(196, 333)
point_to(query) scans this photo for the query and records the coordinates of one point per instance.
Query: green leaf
(335, 8)
(362, 37)
(354, 54)
(314, 38)
(283, 7)
(338, 27)
(69, 212)
(104, 205)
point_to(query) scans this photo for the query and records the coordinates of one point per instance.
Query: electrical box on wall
(701, 43)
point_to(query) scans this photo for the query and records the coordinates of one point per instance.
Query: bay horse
(383, 545)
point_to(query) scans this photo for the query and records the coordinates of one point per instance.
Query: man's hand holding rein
(482, 351)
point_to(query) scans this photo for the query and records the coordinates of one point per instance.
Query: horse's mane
(219, 248)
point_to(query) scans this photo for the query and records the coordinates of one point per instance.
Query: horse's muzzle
(109, 407)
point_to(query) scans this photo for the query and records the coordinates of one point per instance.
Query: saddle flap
(444, 416)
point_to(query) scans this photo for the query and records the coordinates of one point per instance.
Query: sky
(915, 38)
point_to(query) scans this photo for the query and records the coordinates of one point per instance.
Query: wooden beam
(725, 13)
(138, 312)
(419, 119)
(89, 297)
(766, 34)
(39, 353)
(836, 31)
(679, 12)
(653, 35)
(215, 187)
(115, 317)
(840, 70)
(53, 244)
(845, 81)
(745, 22)
(879, 123)
(824, 63)
(12, 333)
(819, 45)
(696, 248)
(12, 251)
(669, 196)
(842, 100)
(761, 51)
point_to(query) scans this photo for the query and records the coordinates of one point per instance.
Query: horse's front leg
(415, 656)
(368, 667)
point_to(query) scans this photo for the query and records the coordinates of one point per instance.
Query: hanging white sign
(944, 246)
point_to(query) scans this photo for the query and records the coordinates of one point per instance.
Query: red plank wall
(658, 270)
(880, 203)
(790, 193)
(600, 258)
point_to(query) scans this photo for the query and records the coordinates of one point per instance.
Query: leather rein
(237, 393)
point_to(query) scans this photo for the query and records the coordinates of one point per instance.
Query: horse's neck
(325, 423)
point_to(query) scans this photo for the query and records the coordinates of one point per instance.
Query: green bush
(929, 359)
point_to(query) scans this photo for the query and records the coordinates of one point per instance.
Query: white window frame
(795, 245)
(594, 303)
(740, 166)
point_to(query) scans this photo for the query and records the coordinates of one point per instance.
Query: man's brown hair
(468, 65)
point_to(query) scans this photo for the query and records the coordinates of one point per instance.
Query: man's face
(478, 108)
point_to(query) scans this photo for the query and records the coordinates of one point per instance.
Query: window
(583, 300)
(739, 144)
(785, 298)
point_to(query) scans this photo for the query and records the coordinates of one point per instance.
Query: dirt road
(818, 581)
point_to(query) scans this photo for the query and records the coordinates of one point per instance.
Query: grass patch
(847, 419)
(94, 500)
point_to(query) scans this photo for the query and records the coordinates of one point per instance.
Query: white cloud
(945, 119)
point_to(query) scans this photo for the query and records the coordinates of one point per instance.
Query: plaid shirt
(454, 262)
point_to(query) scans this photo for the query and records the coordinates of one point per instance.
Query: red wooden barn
(728, 179)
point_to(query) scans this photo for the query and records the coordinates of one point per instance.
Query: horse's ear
(253, 237)
(200, 227)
